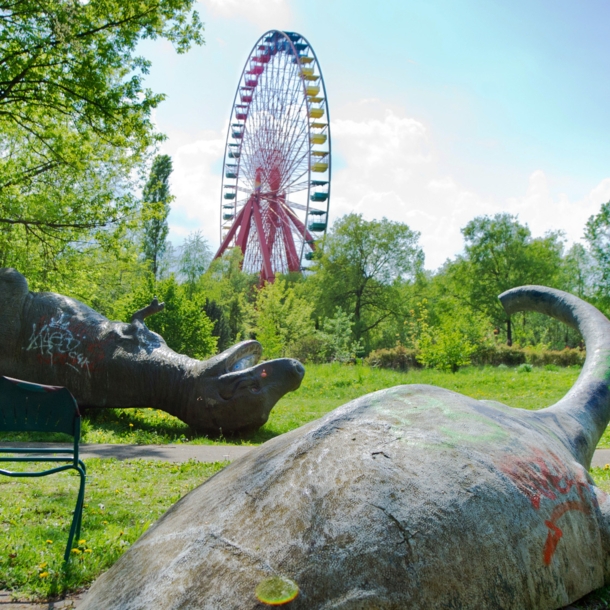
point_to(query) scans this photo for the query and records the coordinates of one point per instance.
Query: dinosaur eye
(244, 363)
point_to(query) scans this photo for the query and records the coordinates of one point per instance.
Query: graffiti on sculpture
(55, 342)
(544, 476)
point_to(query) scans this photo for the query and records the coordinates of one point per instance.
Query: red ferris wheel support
(270, 221)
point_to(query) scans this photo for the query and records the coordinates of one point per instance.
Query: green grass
(328, 386)
(121, 500)
(325, 387)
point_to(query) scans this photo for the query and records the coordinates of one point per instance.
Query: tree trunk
(509, 333)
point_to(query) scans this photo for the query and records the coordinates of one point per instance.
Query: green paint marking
(418, 403)
(495, 432)
(276, 591)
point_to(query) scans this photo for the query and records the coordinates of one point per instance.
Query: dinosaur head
(234, 393)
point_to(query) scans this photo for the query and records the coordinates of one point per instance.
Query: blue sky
(441, 110)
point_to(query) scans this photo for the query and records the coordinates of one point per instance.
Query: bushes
(496, 354)
(400, 358)
(565, 357)
(331, 344)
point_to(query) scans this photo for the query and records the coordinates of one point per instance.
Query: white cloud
(196, 184)
(389, 167)
(543, 212)
(268, 14)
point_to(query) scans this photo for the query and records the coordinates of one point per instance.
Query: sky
(441, 110)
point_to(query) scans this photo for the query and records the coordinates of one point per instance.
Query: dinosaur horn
(582, 415)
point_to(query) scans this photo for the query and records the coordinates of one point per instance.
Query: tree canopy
(361, 264)
(75, 116)
(499, 254)
(156, 199)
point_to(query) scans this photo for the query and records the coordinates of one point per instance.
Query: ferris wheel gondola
(275, 194)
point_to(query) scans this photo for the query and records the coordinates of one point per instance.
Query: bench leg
(78, 513)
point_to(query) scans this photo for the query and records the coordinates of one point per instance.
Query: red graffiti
(544, 475)
(555, 533)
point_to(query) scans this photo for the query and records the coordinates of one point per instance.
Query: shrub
(398, 358)
(281, 318)
(182, 323)
(309, 348)
(333, 343)
(564, 357)
(496, 354)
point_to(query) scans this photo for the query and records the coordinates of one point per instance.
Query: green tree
(75, 119)
(195, 257)
(234, 290)
(500, 253)
(155, 209)
(336, 337)
(597, 235)
(182, 323)
(360, 269)
(455, 336)
(281, 318)
(578, 271)
(221, 330)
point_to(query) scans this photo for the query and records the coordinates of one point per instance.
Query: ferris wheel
(276, 172)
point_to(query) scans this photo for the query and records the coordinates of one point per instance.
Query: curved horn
(587, 404)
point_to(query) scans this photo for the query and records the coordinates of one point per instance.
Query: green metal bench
(30, 407)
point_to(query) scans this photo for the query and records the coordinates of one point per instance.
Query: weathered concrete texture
(52, 339)
(413, 497)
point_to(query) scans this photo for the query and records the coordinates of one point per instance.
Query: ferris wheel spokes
(276, 141)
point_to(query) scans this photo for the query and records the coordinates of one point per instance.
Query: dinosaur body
(52, 339)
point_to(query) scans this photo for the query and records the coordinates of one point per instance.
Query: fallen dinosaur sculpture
(52, 339)
(412, 497)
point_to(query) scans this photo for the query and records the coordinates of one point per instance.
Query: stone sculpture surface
(412, 497)
(52, 339)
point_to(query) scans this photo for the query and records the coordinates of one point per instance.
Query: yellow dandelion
(49, 542)
(131, 425)
(607, 467)
(116, 491)
(121, 533)
(76, 551)
(82, 542)
(88, 551)
(43, 565)
(43, 575)
(105, 522)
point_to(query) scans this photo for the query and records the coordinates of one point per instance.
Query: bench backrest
(28, 407)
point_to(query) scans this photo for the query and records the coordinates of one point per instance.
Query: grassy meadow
(121, 500)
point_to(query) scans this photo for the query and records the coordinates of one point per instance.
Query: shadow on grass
(598, 600)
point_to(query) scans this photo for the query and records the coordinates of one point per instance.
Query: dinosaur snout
(286, 373)
(299, 368)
